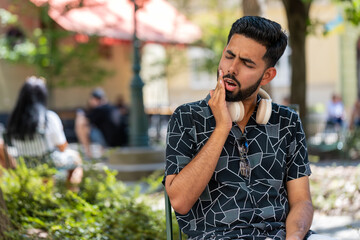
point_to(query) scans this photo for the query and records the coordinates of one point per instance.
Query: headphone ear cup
(264, 111)
(236, 110)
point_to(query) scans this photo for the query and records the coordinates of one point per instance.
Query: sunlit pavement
(338, 227)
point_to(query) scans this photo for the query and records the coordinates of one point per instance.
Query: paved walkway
(338, 227)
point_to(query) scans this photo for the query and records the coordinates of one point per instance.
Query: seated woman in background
(31, 123)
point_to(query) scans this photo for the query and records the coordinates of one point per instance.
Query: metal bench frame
(168, 215)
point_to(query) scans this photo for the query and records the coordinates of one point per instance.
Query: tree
(253, 7)
(352, 10)
(352, 14)
(215, 25)
(297, 13)
(52, 51)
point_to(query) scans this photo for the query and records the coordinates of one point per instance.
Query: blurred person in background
(101, 123)
(6, 160)
(30, 121)
(121, 105)
(335, 113)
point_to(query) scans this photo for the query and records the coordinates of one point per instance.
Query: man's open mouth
(230, 85)
(230, 82)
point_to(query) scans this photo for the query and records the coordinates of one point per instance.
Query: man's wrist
(223, 130)
(294, 236)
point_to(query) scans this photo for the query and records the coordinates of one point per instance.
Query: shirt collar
(235, 131)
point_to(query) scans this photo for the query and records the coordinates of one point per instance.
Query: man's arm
(185, 188)
(82, 130)
(299, 219)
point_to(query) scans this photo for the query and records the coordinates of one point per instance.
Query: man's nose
(234, 68)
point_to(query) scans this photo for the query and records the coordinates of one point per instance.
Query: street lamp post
(138, 119)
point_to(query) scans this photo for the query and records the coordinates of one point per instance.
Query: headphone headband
(265, 108)
(264, 95)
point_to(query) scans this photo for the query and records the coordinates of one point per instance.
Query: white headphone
(237, 111)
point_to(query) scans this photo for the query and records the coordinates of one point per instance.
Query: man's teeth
(230, 83)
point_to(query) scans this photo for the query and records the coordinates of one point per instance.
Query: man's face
(243, 66)
(94, 102)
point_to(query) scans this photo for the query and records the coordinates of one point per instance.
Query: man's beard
(242, 94)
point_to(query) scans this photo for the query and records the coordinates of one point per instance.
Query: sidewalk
(338, 227)
(342, 227)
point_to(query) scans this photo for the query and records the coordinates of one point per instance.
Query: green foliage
(352, 10)
(103, 209)
(215, 28)
(53, 52)
(215, 40)
(6, 18)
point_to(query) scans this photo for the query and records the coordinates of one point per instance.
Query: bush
(103, 209)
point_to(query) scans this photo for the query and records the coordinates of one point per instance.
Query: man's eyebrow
(230, 52)
(247, 60)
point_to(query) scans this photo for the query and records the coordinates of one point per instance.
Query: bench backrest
(34, 151)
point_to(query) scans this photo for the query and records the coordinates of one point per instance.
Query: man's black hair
(264, 31)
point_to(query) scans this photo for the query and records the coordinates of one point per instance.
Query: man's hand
(218, 106)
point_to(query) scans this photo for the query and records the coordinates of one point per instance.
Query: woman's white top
(54, 136)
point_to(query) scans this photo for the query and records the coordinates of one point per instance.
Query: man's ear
(269, 75)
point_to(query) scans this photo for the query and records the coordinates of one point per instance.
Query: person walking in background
(237, 164)
(30, 121)
(102, 123)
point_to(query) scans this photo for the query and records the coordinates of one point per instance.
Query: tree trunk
(297, 12)
(4, 220)
(253, 7)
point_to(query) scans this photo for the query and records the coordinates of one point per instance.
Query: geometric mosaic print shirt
(231, 206)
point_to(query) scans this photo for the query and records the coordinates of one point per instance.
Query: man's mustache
(232, 77)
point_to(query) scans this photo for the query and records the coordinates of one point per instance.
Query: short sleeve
(297, 156)
(54, 130)
(180, 141)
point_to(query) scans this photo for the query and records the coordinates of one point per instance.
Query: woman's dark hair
(264, 31)
(30, 107)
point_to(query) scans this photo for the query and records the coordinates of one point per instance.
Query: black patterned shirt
(233, 206)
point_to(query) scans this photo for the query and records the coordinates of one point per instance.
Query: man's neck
(249, 106)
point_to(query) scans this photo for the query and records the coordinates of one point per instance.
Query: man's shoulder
(103, 110)
(284, 112)
(192, 113)
(194, 106)
(106, 106)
